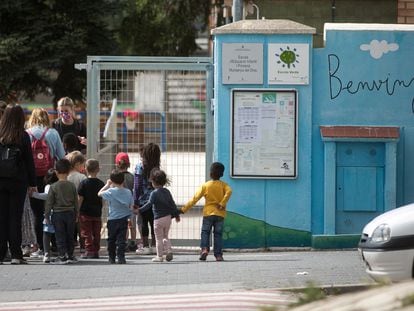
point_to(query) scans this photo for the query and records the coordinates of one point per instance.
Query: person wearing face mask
(67, 123)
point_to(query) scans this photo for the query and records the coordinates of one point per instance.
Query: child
(216, 194)
(163, 207)
(150, 158)
(120, 205)
(122, 164)
(70, 142)
(77, 161)
(90, 210)
(62, 200)
(76, 175)
(48, 229)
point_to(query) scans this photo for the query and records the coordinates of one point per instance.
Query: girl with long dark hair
(13, 189)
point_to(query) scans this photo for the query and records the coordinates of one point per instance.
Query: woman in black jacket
(13, 188)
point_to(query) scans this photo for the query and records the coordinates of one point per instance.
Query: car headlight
(381, 234)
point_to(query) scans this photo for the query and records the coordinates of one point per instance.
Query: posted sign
(242, 63)
(264, 133)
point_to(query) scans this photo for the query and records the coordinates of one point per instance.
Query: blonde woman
(38, 126)
(67, 122)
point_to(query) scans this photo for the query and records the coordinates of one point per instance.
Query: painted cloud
(378, 48)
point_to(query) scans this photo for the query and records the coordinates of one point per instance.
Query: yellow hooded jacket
(216, 193)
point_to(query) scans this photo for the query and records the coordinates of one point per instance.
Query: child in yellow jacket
(216, 194)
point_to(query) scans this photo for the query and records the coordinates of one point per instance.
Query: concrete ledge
(335, 241)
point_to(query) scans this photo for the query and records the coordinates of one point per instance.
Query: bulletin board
(264, 133)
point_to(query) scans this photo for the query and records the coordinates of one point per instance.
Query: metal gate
(132, 101)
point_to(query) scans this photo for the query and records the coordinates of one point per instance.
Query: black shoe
(121, 261)
(111, 260)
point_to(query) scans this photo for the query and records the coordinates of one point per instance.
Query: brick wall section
(405, 11)
(360, 132)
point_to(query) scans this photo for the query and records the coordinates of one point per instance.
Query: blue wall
(352, 82)
(340, 99)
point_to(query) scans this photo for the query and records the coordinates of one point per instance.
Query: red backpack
(41, 154)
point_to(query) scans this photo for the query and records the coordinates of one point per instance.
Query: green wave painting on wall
(244, 232)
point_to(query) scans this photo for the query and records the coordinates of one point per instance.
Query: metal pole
(237, 10)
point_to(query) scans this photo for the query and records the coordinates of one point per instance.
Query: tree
(41, 40)
(162, 27)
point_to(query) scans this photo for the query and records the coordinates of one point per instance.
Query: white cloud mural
(378, 48)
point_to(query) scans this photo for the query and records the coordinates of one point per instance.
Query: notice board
(264, 133)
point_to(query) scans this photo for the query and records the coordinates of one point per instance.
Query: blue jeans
(217, 223)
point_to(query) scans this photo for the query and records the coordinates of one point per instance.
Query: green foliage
(41, 40)
(162, 27)
(407, 300)
(310, 293)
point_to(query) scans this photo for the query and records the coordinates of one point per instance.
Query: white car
(387, 245)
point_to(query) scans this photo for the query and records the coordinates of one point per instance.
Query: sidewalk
(95, 278)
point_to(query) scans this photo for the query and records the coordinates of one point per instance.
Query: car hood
(400, 221)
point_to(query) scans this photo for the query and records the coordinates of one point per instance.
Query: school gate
(132, 101)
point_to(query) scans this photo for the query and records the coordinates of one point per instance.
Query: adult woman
(38, 127)
(150, 158)
(67, 123)
(13, 188)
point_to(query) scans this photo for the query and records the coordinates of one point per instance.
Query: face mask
(65, 115)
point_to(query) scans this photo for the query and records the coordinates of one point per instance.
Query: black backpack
(9, 161)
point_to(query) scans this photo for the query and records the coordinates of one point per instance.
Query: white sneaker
(157, 259)
(146, 251)
(46, 258)
(36, 254)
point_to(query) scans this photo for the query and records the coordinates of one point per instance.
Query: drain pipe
(237, 10)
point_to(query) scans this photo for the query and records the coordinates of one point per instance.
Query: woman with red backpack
(47, 147)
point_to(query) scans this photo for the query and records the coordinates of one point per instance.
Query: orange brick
(402, 5)
(409, 20)
(401, 20)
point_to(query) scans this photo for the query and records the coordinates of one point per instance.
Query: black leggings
(148, 221)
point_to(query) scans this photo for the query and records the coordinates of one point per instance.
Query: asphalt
(244, 270)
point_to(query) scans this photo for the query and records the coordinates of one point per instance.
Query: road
(241, 272)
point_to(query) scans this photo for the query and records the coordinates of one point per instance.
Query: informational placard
(242, 63)
(288, 63)
(264, 133)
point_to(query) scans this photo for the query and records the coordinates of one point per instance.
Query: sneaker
(169, 256)
(16, 261)
(219, 258)
(146, 251)
(72, 259)
(204, 254)
(121, 261)
(46, 258)
(61, 261)
(157, 259)
(26, 251)
(132, 246)
(36, 254)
